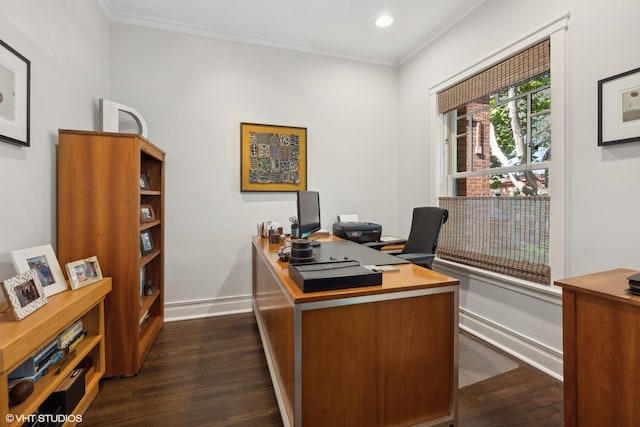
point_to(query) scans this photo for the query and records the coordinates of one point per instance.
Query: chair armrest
(417, 258)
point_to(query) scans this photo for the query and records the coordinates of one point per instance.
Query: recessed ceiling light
(384, 21)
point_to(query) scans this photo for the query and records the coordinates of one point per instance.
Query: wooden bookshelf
(20, 340)
(99, 201)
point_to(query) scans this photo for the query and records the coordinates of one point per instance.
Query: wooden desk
(370, 356)
(601, 339)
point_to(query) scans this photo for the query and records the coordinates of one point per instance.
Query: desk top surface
(408, 277)
(611, 284)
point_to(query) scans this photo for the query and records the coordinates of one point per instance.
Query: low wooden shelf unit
(19, 340)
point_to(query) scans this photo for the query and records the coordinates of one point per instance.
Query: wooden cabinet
(99, 213)
(20, 340)
(601, 334)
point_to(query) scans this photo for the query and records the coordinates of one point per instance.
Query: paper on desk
(381, 268)
(348, 218)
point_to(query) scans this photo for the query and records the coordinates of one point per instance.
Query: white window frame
(441, 186)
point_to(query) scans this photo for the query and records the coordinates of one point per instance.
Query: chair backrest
(425, 229)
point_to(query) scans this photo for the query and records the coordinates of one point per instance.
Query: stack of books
(46, 358)
(72, 336)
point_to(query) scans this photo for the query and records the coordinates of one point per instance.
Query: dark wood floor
(212, 372)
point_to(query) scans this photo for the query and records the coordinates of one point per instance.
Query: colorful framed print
(273, 158)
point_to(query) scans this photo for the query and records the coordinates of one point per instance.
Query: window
(499, 151)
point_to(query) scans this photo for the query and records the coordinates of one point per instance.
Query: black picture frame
(15, 96)
(144, 182)
(619, 108)
(146, 242)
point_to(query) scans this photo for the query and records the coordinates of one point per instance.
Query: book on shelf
(69, 334)
(143, 319)
(40, 370)
(35, 363)
(45, 352)
(142, 282)
(79, 338)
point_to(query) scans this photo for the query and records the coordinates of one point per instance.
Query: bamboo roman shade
(508, 235)
(516, 69)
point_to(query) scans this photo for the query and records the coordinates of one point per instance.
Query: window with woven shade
(499, 151)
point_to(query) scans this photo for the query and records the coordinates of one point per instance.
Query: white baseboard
(195, 309)
(538, 355)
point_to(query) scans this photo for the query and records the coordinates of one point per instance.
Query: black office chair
(420, 247)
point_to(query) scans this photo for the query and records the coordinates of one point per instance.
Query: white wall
(368, 129)
(194, 92)
(67, 43)
(601, 202)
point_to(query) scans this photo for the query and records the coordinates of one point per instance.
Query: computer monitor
(308, 212)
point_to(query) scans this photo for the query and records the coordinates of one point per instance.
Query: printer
(359, 232)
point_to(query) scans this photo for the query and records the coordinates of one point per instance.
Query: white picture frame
(83, 272)
(24, 293)
(44, 261)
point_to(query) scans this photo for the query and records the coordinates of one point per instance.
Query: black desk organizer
(326, 276)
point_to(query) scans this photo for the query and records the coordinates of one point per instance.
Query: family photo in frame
(84, 272)
(146, 242)
(147, 214)
(43, 260)
(24, 293)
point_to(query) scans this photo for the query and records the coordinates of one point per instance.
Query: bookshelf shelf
(147, 303)
(149, 225)
(20, 340)
(106, 167)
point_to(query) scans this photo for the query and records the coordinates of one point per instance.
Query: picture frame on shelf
(44, 261)
(273, 158)
(147, 214)
(144, 182)
(146, 242)
(84, 272)
(24, 293)
(619, 108)
(15, 94)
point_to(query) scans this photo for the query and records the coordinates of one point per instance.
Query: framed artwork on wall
(619, 108)
(15, 90)
(273, 158)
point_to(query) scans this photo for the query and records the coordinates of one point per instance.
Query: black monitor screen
(308, 212)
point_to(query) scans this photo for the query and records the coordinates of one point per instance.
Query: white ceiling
(343, 28)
